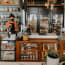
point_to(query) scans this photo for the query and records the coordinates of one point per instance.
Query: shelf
(8, 12)
(3, 31)
(32, 4)
(59, 5)
(44, 20)
(32, 50)
(35, 4)
(8, 5)
(7, 50)
(8, 18)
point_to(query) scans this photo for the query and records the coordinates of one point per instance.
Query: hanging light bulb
(23, 1)
(47, 5)
(52, 6)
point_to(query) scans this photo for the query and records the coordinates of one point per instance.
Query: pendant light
(52, 6)
(50, 3)
(47, 4)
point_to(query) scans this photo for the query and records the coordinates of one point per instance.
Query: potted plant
(53, 58)
(62, 61)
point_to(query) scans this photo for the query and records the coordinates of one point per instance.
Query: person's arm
(7, 25)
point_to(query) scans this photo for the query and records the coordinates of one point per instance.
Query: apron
(12, 28)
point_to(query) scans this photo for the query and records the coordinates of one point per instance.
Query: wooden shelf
(32, 50)
(8, 5)
(43, 5)
(44, 20)
(59, 5)
(35, 4)
(32, 4)
(3, 31)
(9, 12)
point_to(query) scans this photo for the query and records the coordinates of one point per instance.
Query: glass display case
(7, 56)
(8, 45)
(29, 52)
(7, 51)
(35, 51)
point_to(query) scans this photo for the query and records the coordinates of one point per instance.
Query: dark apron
(12, 28)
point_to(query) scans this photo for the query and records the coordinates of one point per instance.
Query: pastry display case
(30, 52)
(7, 51)
(36, 50)
(8, 46)
(7, 56)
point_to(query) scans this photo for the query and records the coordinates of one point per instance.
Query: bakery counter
(8, 47)
(35, 35)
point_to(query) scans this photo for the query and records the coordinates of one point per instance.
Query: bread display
(7, 47)
(6, 55)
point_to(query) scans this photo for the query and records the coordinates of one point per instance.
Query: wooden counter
(41, 43)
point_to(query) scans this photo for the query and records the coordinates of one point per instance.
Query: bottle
(50, 29)
(1, 26)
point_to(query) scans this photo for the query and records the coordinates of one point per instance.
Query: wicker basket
(25, 37)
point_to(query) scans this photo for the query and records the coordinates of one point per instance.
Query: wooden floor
(22, 63)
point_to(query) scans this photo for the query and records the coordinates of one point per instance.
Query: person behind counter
(12, 26)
